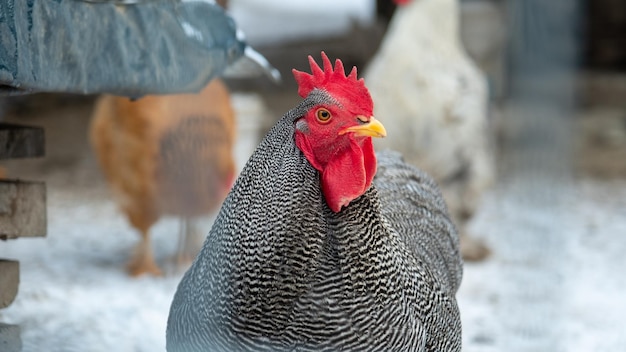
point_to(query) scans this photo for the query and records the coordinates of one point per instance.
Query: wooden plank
(602, 88)
(10, 340)
(22, 209)
(18, 141)
(9, 281)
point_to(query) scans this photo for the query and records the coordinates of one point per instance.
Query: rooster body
(165, 155)
(288, 266)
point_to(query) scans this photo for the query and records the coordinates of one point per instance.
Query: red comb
(325, 78)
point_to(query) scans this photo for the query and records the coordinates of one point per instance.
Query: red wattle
(348, 175)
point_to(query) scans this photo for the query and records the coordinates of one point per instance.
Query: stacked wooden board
(22, 214)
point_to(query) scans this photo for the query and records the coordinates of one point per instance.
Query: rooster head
(335, 134)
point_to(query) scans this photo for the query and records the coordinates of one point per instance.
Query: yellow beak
(370, 128)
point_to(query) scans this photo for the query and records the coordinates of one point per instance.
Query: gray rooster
(311, 252)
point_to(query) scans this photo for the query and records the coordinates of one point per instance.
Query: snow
(74, 294)
(554, 283)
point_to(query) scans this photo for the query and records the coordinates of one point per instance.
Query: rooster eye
(323, 115)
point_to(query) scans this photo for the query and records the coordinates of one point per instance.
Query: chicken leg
(142, 260)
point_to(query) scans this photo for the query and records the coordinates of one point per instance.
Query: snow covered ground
(555, 281)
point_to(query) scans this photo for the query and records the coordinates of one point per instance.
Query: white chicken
(433, 101)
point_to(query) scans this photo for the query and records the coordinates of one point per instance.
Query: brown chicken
(166, 155)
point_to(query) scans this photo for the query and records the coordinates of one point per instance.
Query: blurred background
(518, 109)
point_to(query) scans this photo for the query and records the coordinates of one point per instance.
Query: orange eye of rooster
(323, 115)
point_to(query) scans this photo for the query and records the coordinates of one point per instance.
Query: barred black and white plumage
(281, 271)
